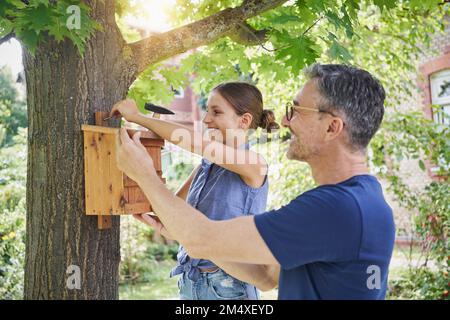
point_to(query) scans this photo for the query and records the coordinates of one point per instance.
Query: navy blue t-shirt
(332, 242)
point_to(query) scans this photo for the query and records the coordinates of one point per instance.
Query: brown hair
(246, 98)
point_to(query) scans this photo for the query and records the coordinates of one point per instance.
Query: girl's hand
(126, 108)
(154, 222)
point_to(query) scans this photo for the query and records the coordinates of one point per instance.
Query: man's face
(307, 129)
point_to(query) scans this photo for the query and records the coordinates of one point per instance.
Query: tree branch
(6, 38)
(164, 45)
(247, 35)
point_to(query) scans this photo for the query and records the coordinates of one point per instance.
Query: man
(332, 242)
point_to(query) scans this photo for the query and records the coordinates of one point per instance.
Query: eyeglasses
(290, 108)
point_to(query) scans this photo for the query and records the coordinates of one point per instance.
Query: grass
(159, 287)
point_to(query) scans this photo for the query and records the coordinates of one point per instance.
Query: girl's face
(221, 117)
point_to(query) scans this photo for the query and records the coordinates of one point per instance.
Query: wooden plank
(92, 158)
(116, 186)
(138, 202)
(155, 154)
(137, 208)
(103, 221)
(131, 194)
(126, 196)
(140, 196)
(89, 180)
(152, 142)
(105, 199)
(149, 136)
(98, 128)
(127, 182)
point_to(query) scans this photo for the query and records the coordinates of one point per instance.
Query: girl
(231, 180)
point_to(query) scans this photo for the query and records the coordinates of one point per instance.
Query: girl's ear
(246, 121)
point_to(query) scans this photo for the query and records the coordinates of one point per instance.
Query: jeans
(217, 285)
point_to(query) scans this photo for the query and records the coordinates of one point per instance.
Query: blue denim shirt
(219, 194)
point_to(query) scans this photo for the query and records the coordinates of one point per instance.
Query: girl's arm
(182, 192)
(249, 165)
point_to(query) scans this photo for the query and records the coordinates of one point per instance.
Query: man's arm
(235, 240)
(264, 277)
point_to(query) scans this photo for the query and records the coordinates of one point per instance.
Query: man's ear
(335, 127)
(246, 121)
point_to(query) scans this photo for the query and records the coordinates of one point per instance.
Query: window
(440, 96)
(435, 79)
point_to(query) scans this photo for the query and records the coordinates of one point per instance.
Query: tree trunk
(63, 92)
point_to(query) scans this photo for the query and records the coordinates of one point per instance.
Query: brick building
(433, 84)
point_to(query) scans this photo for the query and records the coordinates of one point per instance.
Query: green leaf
(29, 37)
(10, 5)
(339, 52)
(424, 5)
(299, 53)
(285, 18)
(341, 21)
(422, 165)
(317, 5)
(388, 4)
(41, 16)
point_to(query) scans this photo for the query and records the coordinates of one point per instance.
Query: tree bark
(63, 92)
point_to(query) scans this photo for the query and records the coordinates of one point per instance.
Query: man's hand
(126, 108)
(153, 221)
(132, 157)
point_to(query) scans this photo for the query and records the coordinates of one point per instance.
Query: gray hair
(353, 94)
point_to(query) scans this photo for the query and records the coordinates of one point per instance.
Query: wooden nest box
(108, 191)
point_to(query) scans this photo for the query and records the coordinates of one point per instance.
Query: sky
(11, 55)
(153, 15)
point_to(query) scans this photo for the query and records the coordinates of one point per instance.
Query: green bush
(12, 253)
(140, 253)
(13, 110)
(12, 217)
(432, 222)
(162, 252)
(420, 283)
